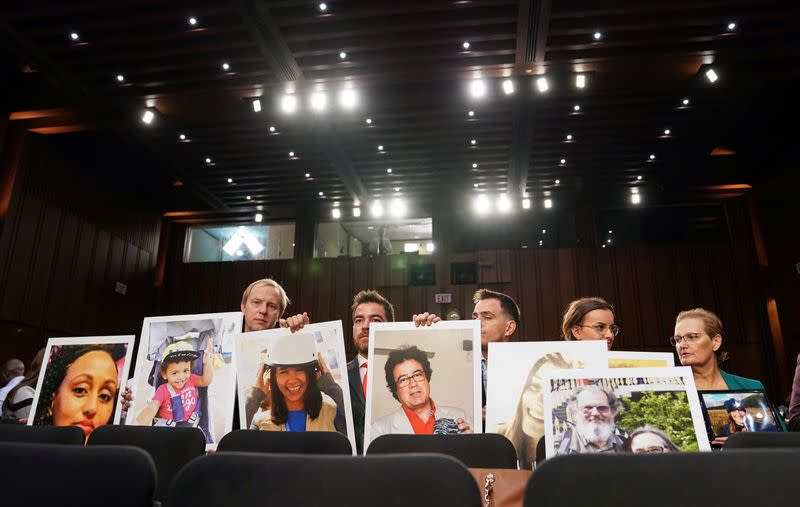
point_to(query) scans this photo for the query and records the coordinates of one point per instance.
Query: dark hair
(508, 305)
(56, 372)
(668, 443)
(577, 310)
(402, 355)
(172, 360)
(30, 378)
(373, 296)
(312, 399)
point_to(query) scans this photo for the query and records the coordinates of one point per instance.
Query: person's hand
(127, 399)
(463, 426)
(719, 441)
(295, 322)
(425, 319)
(209, 350)
(24, 420)
(323, 367)
(484, 412)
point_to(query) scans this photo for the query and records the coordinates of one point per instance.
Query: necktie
(364, 380)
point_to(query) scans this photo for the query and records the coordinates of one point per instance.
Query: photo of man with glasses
(408, 374)
(592, 409)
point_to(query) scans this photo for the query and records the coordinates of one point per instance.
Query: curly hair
(312, 399)
(56, 371)
(402, 355)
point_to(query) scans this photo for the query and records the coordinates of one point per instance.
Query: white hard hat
(292, 350)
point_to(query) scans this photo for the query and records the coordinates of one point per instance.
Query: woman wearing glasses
(648, 440)
(697, 341)
(589, 319)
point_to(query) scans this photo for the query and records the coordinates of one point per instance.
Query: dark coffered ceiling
(407, 62)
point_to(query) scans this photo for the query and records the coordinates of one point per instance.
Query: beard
(596, 431)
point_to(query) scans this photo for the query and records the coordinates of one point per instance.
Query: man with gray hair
(592, 409)
(11, 374)
(263, 304)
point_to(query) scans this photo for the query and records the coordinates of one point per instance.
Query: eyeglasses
(688, 338)
(417, 376)
(650, 450)
(601, 328)
(603, 409)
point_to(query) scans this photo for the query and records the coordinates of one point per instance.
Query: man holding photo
(592, 409)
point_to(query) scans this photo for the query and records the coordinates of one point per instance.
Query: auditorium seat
(708, 479)
(69, 475)
(42, 434)
(481, 450)
(281, 442)
(762, 440)
(228, 478)
(170, 448)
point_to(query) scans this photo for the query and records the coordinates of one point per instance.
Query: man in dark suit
(369, 306)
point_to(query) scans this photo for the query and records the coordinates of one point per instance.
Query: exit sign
(444, 298)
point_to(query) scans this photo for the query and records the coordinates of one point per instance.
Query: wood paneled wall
(648, 286)
(66, 241)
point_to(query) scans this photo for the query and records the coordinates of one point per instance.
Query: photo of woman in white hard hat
(296, 402)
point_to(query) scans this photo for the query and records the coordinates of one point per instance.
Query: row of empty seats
(135, 465)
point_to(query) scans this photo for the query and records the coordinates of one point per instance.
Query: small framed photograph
(729, 412)
(423, 380)
(637, 410)
(81, 381)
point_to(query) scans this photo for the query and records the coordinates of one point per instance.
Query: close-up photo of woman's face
(292, 383)
(88, 392)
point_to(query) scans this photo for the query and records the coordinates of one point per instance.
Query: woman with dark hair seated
(296, 402)
(589, 319)
(648, 440)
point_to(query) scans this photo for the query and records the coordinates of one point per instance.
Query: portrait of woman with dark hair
(296, 402)
(80, 386)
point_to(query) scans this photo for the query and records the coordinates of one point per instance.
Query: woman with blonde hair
(698, 342)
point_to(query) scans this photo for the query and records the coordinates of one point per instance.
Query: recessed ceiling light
(474, 165)
(652, 156)
(396, 189)
(477, 88)
(465, 45)
(685, 102)
(389, 170)
(548, 203)
(471, 114)
(257, 105)
(636, 198)
(120, 78)
(369, 121)
(397, 208)
(610, 231)
(147, 117)
(380, 147)
(208, 160)
(481, 204)
(541, 242)
(580, 81)
(308, 175)
(291, 154)
(376, 209)
(342, 55)
(226, 66)
(348, 98)
(288, 103)
(639, 178)
(74, 36)
(323, 7)
(563, 161)
(321, 193)
(356, 212)
(542, 84)
(608, 240)
(271, 129)
(508, 87)
(569, 137)
(473, 142)
(248, 197)
(634, 190)
(731, 26)
(576, 107)
(336, 213)
(597, 35)
(558, 182)
(193, 21)
(503, 203)
(526, 203)
(230, 180)
(544, 231)
(182, 137)
(711, 75)
(259, 217)
(667, 132)
(318, 101)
